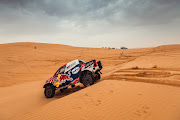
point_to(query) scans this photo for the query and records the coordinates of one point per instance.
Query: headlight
(55, 79)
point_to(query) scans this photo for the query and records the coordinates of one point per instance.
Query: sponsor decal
(65, 77)
(83, 65)
(75, 70)
(75, 81)
(89, 64)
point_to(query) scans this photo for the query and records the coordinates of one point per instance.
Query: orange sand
(137, 84)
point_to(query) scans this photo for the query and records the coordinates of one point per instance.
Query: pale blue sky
(91, 23)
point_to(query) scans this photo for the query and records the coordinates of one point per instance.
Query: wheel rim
(48, 92)
(87, 80)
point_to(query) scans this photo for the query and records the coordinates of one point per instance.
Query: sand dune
(112, 99)
(137, 84)
(165, 57)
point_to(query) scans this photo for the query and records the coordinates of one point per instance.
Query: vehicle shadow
(68, 91)
(71, 90)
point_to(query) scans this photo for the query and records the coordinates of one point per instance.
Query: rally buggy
(71, 73)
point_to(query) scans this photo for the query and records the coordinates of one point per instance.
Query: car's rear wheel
(49, 91)
(98, 76)
(87, 79)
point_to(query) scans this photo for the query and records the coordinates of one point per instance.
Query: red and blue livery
(71, 73)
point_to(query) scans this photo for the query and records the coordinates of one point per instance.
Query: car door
(73, 69)
(62, 76)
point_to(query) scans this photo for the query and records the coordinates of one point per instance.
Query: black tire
(87, 79)
(99, 64)
(97, 76)
(49, 91)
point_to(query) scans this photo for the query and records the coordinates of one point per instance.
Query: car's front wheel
(49, 91)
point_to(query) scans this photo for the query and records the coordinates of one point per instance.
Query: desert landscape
(136, 84)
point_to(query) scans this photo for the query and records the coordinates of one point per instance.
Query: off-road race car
(71, 73)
